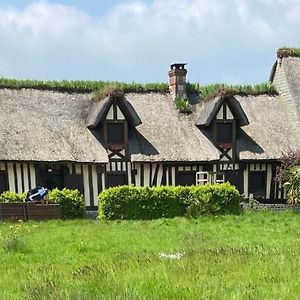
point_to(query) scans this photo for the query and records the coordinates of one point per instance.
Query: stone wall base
(263, 206)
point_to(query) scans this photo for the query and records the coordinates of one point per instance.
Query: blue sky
(92, 7)
(232, 41)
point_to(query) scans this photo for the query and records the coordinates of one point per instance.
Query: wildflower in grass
(177, 255)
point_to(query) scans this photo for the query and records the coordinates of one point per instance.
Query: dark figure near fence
(37, 194)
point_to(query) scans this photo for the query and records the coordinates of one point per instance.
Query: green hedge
(126, 202)
(71, 201)
(9, 197)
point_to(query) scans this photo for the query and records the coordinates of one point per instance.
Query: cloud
(137, 40)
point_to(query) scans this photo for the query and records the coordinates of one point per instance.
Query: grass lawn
(251, 256)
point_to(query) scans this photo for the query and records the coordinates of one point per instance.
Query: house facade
(58, 139)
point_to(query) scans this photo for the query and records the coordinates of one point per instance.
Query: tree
(289, 160)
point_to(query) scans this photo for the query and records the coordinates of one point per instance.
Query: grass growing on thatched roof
(182, 105)
(103, 88)
(82, 86)
(288, 52)
(207, 92)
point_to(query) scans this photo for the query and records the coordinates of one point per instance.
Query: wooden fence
(29, 211)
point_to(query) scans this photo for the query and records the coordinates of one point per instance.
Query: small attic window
(224, 133)
(115, 133)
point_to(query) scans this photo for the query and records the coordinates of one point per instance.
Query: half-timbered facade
(61, 140)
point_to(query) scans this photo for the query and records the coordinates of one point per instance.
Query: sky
(230, 41)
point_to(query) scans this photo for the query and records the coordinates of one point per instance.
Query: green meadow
(255, 255)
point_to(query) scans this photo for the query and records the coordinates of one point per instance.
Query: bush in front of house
(71, 202)
(127, 202)
(10, 197)
(214, 199)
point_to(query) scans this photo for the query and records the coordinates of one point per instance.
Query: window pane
(224, 133)
(115, 133)
(186, 178)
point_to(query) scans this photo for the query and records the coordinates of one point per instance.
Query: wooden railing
(29, 211)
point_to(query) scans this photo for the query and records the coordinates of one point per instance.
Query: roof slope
(46, 126)
(271, 128)
(51, 126)
(165, 134)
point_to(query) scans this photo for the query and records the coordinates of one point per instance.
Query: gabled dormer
(113, 117)
(222, 117)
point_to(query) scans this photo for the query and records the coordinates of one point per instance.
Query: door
(235, 177)
(3, 182)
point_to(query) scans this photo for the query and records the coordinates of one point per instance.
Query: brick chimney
(177, 80)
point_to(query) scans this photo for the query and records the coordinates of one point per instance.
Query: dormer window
(222, 117)
(111, 120)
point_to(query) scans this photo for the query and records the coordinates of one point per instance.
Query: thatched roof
(291, 67)
(165, 134)
(46, 126)
(210, 108)
(51, 126)
(272, 128)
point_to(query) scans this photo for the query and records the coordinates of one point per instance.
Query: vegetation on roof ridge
(207, 92)
(183, 105)
(82, 86)
(288, 52)
(103, 88)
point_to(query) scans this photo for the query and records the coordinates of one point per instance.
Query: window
(115, 133)
(3, 182)
(224, 133)
(116, 179)
(186, 178)
(257, 183)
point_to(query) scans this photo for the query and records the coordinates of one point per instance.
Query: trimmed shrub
(71, 202)
(9, 197)
(214, 199)
(127, 202)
